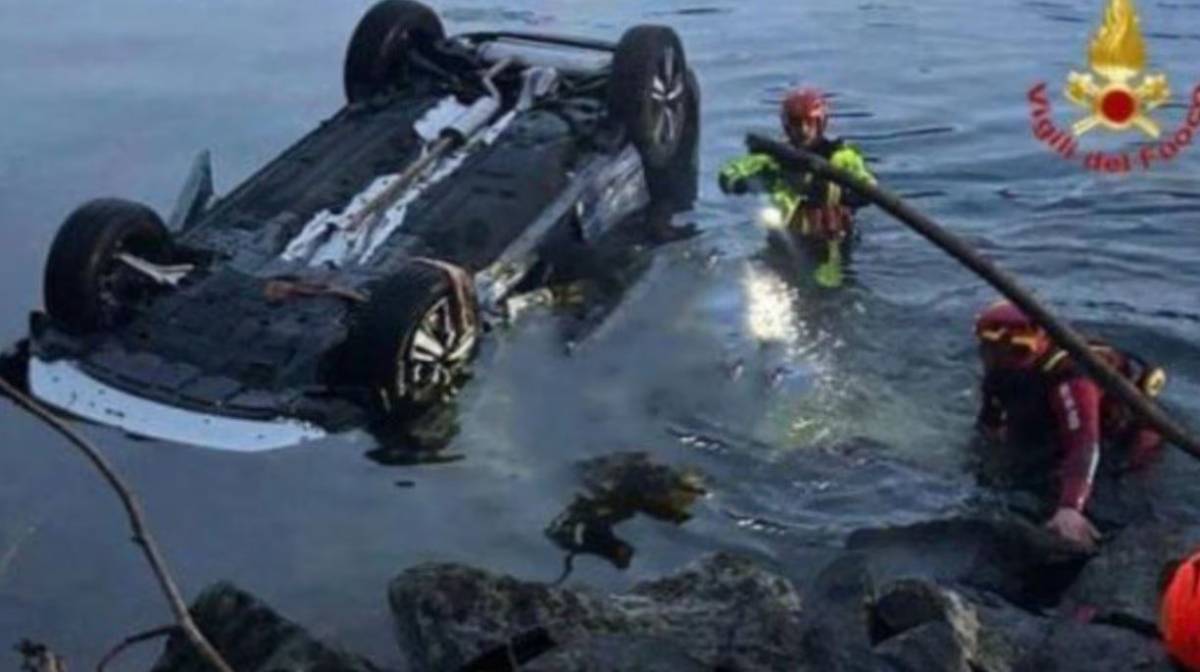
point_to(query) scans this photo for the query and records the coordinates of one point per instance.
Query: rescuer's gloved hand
(732, 185)
(1075, 527)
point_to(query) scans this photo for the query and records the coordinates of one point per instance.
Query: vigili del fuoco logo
(1116, 95)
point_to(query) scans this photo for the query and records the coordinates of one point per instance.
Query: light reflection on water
(770, 307)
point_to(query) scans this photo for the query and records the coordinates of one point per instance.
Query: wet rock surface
(619, 652)
(1016, 560)
(873, 607)
(1124, 582)
(961, 614)
(836, 622)
(1069, 646)
(720, 610)
(252, 638)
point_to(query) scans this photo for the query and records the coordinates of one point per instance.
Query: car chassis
(348, 280)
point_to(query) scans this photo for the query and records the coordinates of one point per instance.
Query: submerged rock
(252, 638)
(634, 482)
(720, 610)
(617, 487)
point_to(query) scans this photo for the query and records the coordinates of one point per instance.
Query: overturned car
(351, 277)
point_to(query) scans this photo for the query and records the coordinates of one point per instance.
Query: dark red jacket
(1058, 400)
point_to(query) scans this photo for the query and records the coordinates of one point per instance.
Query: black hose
(1062, 333)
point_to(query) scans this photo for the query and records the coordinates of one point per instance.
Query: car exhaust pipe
(528, 53)
(478, 115)
(481, 112)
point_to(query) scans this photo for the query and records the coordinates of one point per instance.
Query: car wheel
(677, 186)
(378, 55)
(648, 92)
(414, 339)
(86, 286)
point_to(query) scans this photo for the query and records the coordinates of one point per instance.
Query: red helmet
(1179, 617)
(1006, 330)
(802, 106)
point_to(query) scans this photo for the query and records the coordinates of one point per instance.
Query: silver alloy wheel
(437, 353)
(667, 91)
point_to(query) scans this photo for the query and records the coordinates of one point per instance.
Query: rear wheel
(87, 287)
(413, 341)
(378, 57)
(649, 92)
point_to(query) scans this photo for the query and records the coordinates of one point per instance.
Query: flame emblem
(1116, 94)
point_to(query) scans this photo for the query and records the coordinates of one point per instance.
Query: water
(716, 359)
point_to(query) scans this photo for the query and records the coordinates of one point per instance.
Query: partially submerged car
(350, 278)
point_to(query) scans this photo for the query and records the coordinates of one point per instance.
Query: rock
(1069, 646)
(14, 365)
(910, 604)
(1124, 580)
(930, 647)
(1007, 634)
(720, 610)
(1026, 565)
(905, 605)
(922, 626)
(723, 608)
(252, 638)
(446, 615)
(837, 621)
(618, 653)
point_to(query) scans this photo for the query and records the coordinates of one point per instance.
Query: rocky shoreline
(954, 595)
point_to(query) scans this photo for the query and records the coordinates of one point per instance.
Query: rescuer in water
(1033, 394)
(817, 211)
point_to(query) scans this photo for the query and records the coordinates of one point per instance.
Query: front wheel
(413, 341)
(87, 287)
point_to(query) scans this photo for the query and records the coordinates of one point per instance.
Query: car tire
(86, 288)
(378, 54)
(676, 187)
(648, 92)
(411, 343)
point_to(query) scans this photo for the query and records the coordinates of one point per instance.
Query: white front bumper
(63, 385)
